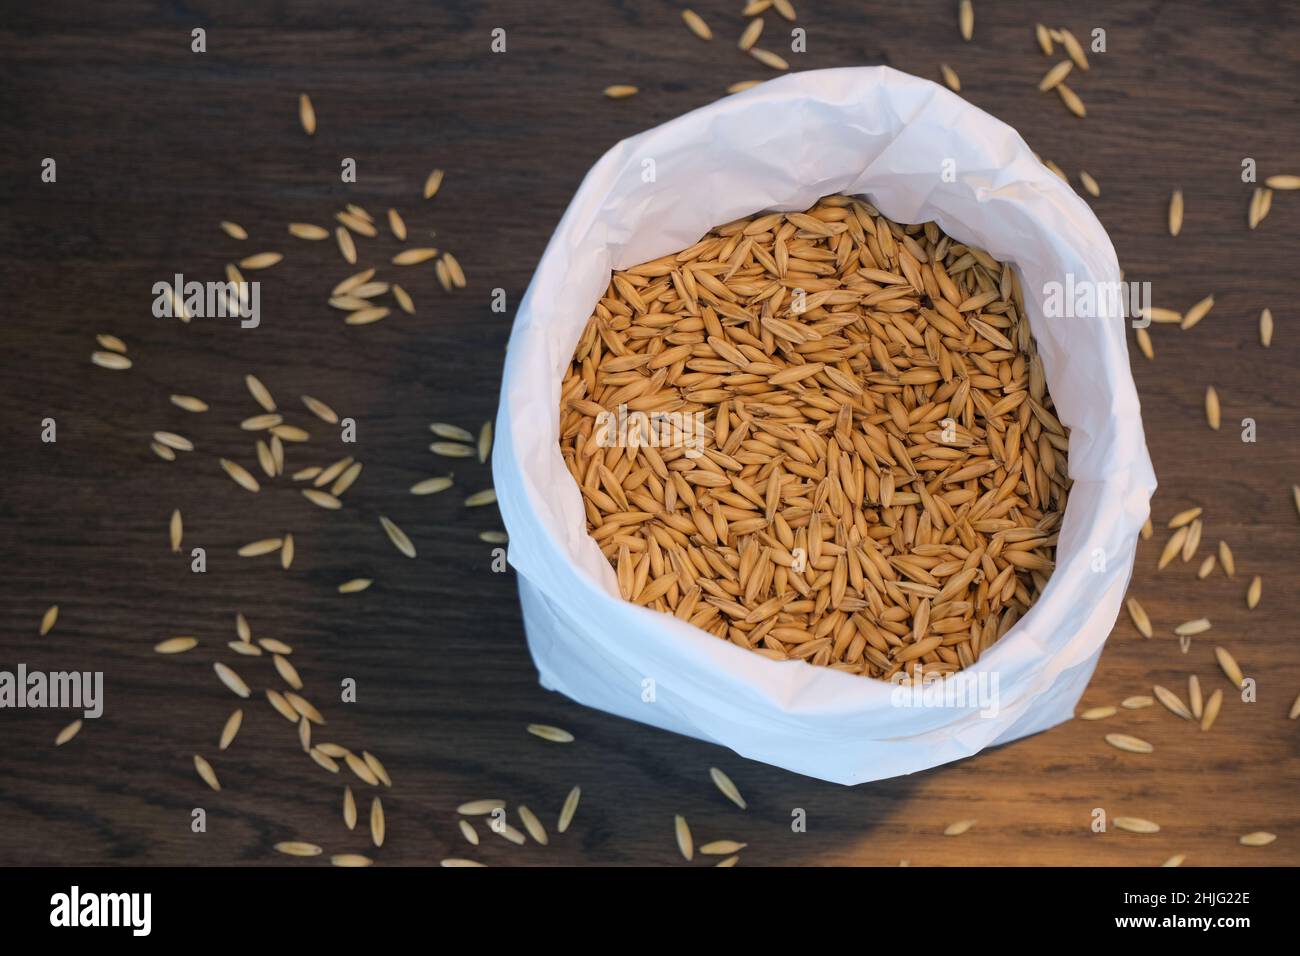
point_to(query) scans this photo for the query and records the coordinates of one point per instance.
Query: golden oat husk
(347, 248)
(727, 787)
(488, 496)
(349, 809)
(433, 184)
(306, 114)
(1211, 710)
(695, 23)
(1073, 48)
(1098, 713)
(234, 230)
(307, 230)
(1136, 825)
(1053, 77)
(366, 316)
(173, 440)
(486, 805)
(510, 833)
(1193, 541)
(1130, 744)
(320, 409)
(1228, 664)
(261, 260)
(259, 423)
(722, 847)
(297, 848)
(346, 480)
(48, 619)
(1212, 411)
(232, 680)
(575, 795)
(682, 832)
(449, 449)
(282, 705)
(321, 758)
(454, 432)
(322, 499)
(256, 548)
(376, 768)
(288, 673)
(242, 476)
(396, 535)
(1176, 212)
(1173, 546)
(412, 257)
(547, 732)
(769, 59)
(176, 645)
(1144, 343)
(361, 769)
(533, 825)
(304, 708)
(353, 282)
(206, 773)
(68, 732)
(404, 300)
(1172, 702)
(1197, 312)
(431, 486)
(357, 224)
(1227, 560)
(231, 728)
(1044, 39)
(455, 274)
(397, 225)
(378, 826)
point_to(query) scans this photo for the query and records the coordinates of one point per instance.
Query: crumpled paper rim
(1113, 476)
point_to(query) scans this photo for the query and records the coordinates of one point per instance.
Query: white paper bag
(884, 135)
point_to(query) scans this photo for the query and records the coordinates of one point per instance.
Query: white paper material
(781, 146)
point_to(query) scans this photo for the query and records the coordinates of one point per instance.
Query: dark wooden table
(156, 144)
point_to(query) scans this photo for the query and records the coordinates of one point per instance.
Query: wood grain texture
(156, 144)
